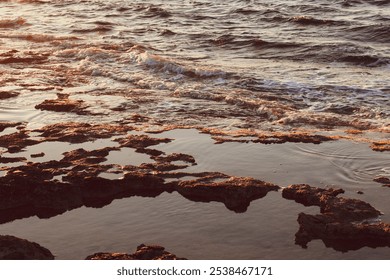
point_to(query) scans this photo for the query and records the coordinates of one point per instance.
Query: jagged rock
(141, 141)
(344, 224)
(74, 132)
(13, 248)
(143, 252)
(15, 142)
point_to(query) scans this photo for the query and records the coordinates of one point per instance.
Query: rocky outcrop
(15, 142)
(13, 248)
(235, 192)
(383, 180)
(4, 125)
(64, 104)
(143, 252)
(344, 224)
(380, 146)
(6, 95)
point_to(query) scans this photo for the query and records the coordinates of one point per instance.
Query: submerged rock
(344, 224)
(381, 146)
(143, 252)
(6, 95)
(383, 180)
(64, 104)
(13, 248)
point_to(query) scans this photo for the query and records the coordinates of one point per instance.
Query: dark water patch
(370, 33)
(345, 52)
(99, 29)
(377, 2)
(202, 17)
(246, 11)
(365, 60)
(152, 11)
(237, 42)
(352, 3)
(308, 20)
(341, 109)
(123, 9)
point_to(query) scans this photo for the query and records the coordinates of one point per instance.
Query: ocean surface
(232, 68)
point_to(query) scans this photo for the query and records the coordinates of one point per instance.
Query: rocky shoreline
(34, 188)
(14, 248)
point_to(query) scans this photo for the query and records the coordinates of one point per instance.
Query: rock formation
(13, 248)
(344, 224)
(143, 252)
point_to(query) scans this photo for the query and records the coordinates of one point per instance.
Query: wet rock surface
(344, 224)
(50, 188)
(17, 141)
(235, 192)
(4, 125)
(64, 104)
(143, 252)
(381, 146)
(385, 181)
(74, 132)
(7, 94)
(13, 248)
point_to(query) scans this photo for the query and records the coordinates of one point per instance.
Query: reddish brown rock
(28, 58)
(381, 146)
(339, 235)
(11, 160)
(344, 224)
(6, 95)
(383, 180)
(143, 252)
(38, 155)
(236, 192)
(4, 125)
(13, 248)
(346, 209)
(278, 138)
(15, 142)
(74, 132)
(64, 104)
(140, 141)
(175, 157)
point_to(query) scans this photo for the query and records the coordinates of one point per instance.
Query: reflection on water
(262, 232)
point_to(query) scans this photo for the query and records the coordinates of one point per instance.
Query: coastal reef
(344, 223)
(143, 252)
